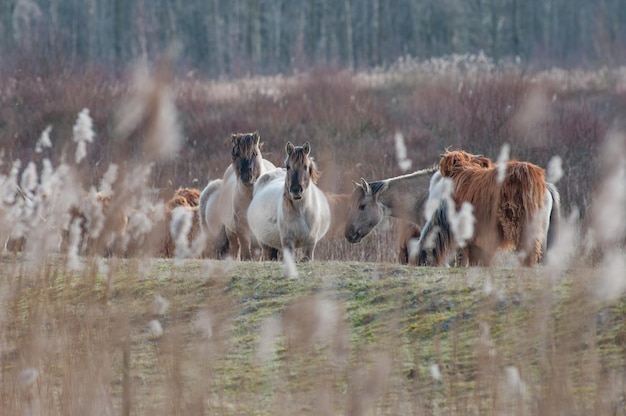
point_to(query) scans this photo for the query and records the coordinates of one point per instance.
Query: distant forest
(246, 37)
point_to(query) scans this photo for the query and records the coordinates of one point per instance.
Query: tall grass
(85, 330)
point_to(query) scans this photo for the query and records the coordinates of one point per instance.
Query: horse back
(267, 177)
(209, 198)
(267, 166)
(262, 212)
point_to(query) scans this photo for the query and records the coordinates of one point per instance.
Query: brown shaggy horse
(508, 215)
(187, 198)
(457, 159)
(92, 213)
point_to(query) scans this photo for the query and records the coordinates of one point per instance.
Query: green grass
(354, 336)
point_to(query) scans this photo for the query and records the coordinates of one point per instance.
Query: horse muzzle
(248, 181)
(353, 236)
(296, 196)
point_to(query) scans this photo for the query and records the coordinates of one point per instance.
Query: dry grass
(344, 338)
(120, 331)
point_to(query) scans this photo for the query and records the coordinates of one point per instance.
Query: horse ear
(235, 138)
(306, 147)
(257, 137)
(289, 148)
(366, 186)
(484, 161)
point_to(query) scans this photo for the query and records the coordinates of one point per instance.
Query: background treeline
(240, 37)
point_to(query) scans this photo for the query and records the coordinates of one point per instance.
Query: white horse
(213, 230)
(236, 193)
(288, 210)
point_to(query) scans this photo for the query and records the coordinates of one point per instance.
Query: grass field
(218, 337)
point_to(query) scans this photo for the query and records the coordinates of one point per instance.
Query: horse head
(460, 159)
(301, 170)
(247, 158)
(365, 210)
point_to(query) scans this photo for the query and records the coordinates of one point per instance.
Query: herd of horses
(258, 210)
(459, 212)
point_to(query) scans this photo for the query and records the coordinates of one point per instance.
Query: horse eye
(288, 167)
(361, 207)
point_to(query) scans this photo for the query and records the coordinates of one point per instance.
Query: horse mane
(453, 160)
(378, 186)
(187, 197)
(246, 144)
(191, 195)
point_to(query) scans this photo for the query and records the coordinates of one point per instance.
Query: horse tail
(555, 216)
(525, 188)
(212, 188)
(436, 239)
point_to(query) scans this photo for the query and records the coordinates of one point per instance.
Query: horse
(190, 195)
(213, 230)
(339, 211)
(247, 166)
(514, 208)
(91, 214)
(288, 210)
(187, 199)
(551, 212)
(402, 197)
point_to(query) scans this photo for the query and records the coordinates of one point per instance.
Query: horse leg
(243, 233)
(269, 253)
(533, 254)
(246, 253)
(308, 253)
(221, 246)
(462, 257)
(478, 256)
(233, 244)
